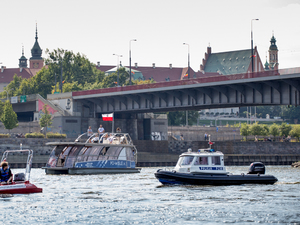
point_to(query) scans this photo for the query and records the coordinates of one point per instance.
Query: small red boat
(20, 184)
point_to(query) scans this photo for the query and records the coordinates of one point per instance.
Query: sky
(100, 28)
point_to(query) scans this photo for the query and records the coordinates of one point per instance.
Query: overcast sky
(100, 28)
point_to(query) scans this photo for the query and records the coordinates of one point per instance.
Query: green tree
(285, 129)
(265, 130)
(274, 130)
(46, 118)
(292, 113)
(295, 132)
(256, 129)
(178, 118)
(111, 79)
(9, 117)
(1, 108)
(75, 67)
(245, 130)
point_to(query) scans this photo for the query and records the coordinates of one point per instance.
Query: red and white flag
(108, 117)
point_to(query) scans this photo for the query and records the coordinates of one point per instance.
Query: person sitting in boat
(95, 139)
(110, 138)
(5, 173)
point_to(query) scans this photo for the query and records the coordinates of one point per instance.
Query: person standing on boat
(101, 131)
(118, 130)
(5, 173)
(89, 131)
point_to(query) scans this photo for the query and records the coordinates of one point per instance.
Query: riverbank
(165, 153)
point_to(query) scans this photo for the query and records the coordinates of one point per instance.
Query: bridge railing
(186, 81)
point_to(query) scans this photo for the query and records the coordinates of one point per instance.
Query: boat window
(58, 149)
(63, 155)
(72, 156)
(201, 161)
(82, 156)
(122, 155)
(113, 152)
(94, 153)
(130, 153)
(187, 160)
(53, 158)
(215, 160)
(179, 162)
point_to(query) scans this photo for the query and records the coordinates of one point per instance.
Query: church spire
(36, 51)
(36, 60)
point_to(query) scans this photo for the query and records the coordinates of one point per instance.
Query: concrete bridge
(277, 87)
(75, 111)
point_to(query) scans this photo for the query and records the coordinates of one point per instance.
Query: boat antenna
(209, 142)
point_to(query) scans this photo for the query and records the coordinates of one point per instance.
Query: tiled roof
(229, 62)
(6, 75)
(104, 68)
(158, 74)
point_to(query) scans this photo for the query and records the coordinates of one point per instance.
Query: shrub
(34, 135)
(56, 135)
(4, 135)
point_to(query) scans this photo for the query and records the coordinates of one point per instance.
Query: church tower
(36, 61)
(23, 60)
(273, 54)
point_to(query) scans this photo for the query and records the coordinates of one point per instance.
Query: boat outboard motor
(19, 177)
(257, 167)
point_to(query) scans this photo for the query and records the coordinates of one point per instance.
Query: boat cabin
(204, 161)
(111, 150)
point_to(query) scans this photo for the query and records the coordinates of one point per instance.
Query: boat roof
(117, 140)
(203, 152)
(86, 144)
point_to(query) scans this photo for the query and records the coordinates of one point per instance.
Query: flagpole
(113, 124)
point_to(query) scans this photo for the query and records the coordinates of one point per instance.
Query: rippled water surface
(141, 199)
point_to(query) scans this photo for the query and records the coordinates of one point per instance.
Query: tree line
(76, 72)
(284, 130)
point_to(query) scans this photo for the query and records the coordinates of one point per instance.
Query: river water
(141, 199)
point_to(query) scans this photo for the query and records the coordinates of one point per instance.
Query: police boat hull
(206, 167)
(173, 177)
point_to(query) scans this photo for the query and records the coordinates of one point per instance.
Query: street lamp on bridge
(186, 112)
(118, 56)
(252, 45)
(7, 93)
(188, 59)
(130, 60)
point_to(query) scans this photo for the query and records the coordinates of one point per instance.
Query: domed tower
(23, 60)
(267, 64)
(273, 54)
(36, 61)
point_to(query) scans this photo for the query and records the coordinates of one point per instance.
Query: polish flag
(108, 117)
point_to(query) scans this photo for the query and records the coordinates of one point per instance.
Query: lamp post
(186, 112)
(252, 45)
(7, 93)
(130, 60)
(118, 67)
(61, 77)
(188, 59)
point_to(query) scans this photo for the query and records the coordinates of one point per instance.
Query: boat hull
(19, 188)
(173, 177)
(90, 171)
